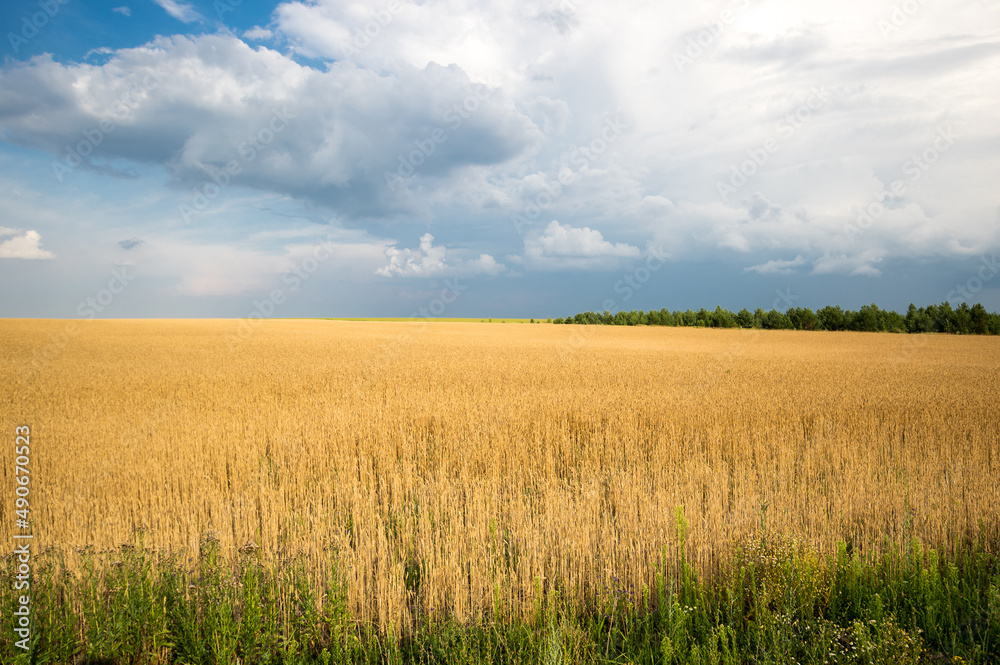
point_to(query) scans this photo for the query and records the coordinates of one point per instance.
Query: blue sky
(314, 158)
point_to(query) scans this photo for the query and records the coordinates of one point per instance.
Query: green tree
(994, 323)
(917, 320)
(945, 319)
(803, 318)
(979, 320)
(775, 320)
(870, 318)
(723, 318)
(867, 319)
(831, 318)
(963, 319)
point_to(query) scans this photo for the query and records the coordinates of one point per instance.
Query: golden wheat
(458, 467)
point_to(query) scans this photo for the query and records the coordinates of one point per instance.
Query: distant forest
(943, 318)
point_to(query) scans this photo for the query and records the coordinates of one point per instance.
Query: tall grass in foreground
(778, 603)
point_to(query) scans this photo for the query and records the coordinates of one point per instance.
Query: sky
(452, 158)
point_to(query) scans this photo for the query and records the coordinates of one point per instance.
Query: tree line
(943, 318)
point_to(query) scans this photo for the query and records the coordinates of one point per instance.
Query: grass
(467, 491)
(778, 603)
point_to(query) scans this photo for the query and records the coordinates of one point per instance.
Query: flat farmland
(449, 467)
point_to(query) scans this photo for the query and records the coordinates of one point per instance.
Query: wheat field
(462, 467)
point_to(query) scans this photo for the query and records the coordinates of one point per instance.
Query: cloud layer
(198, 105)
(779, 139)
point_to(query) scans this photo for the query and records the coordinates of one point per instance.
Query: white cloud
(564, 240)
(481, 38)
(859, 264)
(562, 246)
(431, 261)
(777, 266)
(125, 11)
(179, 10)
(23, 245)
(257, 32)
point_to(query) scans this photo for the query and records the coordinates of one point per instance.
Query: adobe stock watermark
(453, 288)
(435, 307)
(988, 269)
(722, 364)
(93, 137)
(293, 280)
(899, 16)
(700, 43)
(630, 283)
(582, 157)
(416, 324)
(626, 287)
(786, 298)
(741, 174)
(23, 615)
(370, 31)
(32, 24)
(223, 7)
(455, 117)
(912, 344)
(247, 151)
(88, 308)
(914, 167)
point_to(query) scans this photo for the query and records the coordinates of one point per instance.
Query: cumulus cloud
(130, 243)
(199, 104)
(482, 38)
(431, 261)
(562, 246)
(22, 245)
(564, 240)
